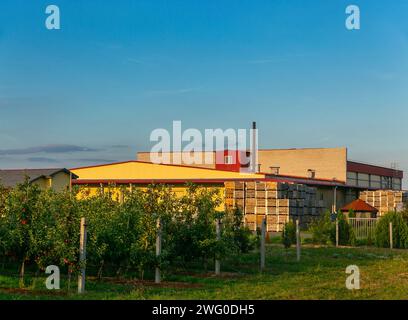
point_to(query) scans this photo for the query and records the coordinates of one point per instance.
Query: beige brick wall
(328, 163)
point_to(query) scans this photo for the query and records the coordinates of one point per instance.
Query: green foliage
(38, 226)
(3, 228)
(321, 229)
(346, 233)
(399, 231)
(404, 213)
(191, 232)
(289, 234)
(324, 230)
(314, 277)
(42, 227)
(19, 216)
(242, 237)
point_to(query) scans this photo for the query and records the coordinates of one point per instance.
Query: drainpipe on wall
(335, 200)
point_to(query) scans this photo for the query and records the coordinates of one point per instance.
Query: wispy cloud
(172, 92)
(90, 160)
(263, 61)
(54, 148)
(43, 160)
(279, 59)
(120, 146)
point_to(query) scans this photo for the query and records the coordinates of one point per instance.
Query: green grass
(319, 275)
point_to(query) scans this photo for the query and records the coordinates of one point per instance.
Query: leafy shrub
(289, 234)
(192, 229)
(346, 233)
(242, 236)
(321, 229)
(399, 231)
(404, 213)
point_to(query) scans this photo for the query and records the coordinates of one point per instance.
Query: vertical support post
(297, 240)
(70, 183)
(391, 244)
(266, 210)
(157, 277)
(256, 210)
(82, 257)
(218, 232)
(263, 237)
(337, 232)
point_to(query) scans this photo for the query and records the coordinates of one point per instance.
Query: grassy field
(319, 275)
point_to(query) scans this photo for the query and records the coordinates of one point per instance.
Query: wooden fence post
(337, 232)
(218, 232)
(157, 277)
(297, 240)
(82, 257)
(391, 244)
(263, 237)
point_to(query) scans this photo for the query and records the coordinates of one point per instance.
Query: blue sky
(93, 91)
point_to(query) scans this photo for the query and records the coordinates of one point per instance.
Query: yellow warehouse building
(138, 174)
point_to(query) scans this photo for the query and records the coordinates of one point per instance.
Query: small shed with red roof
(361, 209)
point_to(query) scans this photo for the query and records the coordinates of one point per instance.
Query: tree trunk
(22, 270)
(69, 279)
(100, 270)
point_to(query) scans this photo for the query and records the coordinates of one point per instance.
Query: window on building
(363, 180)
(352, 178)
(375, 181)
(275, 170)
(386, 182)
(396, 184)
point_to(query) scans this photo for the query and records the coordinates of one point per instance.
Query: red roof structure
(359, 206)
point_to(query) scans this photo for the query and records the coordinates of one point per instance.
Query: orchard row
(41, 228)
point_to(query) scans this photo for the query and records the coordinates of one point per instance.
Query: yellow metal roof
(134, 170)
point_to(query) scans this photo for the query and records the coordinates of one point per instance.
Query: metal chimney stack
(254, 149)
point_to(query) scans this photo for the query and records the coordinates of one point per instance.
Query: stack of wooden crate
(279, 202)
(385, 200)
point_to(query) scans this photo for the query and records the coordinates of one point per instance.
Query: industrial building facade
(289, 184)
(314, 163)
(338, 180)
